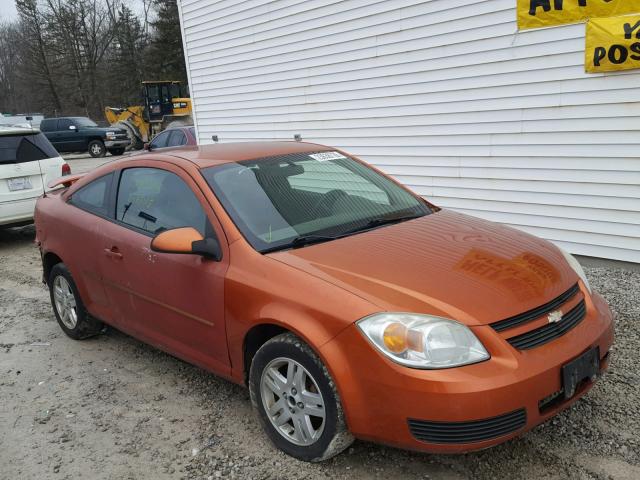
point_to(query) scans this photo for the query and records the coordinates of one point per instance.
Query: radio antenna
(33, 132)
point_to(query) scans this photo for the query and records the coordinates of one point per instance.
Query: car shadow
(11, 237)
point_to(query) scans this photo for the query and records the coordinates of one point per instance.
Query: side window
(161, 140)
(64, 124)
(155, 200)
(48, 125)
(176, 139)
(94, 197)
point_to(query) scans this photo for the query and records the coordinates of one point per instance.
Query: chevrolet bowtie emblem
(555, 316)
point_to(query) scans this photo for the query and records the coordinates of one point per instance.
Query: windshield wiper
(379, 222)
(302, 241)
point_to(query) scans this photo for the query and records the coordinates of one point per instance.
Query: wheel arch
(49, 260)
(264, 331)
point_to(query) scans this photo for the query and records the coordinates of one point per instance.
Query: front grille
(536, 312)
(468, 432)
(551, 331)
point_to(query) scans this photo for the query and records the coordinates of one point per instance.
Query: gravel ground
(112, 407)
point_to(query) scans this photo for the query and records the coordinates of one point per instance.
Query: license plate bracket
(19, 183)
(586, 366)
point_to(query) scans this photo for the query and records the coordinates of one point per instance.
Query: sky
(8, 8)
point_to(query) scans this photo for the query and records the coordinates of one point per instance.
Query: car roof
(64, 118)
(17, 130)
(220, 153)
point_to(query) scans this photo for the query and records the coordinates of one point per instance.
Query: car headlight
(573, 263)
(111, 135)
(423, 341)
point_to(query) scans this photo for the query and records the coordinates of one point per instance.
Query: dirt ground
(113, 408)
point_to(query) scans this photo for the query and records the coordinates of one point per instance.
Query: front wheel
(297, 401)
(97, 149)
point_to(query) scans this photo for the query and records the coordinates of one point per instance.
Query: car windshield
(297, 199)
(84, 122)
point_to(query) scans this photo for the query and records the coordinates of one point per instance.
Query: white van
(27, 163)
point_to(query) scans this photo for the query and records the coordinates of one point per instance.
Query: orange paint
(444, 264)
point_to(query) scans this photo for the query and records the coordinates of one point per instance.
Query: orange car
(350, 306)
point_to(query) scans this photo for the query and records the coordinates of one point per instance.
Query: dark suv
(80, 134)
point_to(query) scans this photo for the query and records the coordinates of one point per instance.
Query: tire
(67, 305)
(97, 149)
(136, 141)
(116, 152)
(316, 394)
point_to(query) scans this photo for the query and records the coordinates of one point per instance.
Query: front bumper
(117, 143)
(381, 397)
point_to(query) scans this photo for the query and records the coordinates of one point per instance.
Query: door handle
(113, 252)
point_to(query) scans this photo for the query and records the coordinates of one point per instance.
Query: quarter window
(94, 197)
(177, 139)
(155, 200)
(160, 141)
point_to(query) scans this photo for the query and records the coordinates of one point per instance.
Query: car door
(67, 136)
(84, 223)
(49, 127)
(175, 302)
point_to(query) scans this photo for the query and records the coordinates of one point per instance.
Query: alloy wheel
(292, 401)
(65, 302)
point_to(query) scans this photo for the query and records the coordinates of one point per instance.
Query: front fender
(260, 290)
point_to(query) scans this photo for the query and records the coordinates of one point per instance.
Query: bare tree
(85, 31)
(37, 61)
(70, 57)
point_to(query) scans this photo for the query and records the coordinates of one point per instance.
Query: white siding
(445, 95)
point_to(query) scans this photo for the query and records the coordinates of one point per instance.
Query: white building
(446, 95)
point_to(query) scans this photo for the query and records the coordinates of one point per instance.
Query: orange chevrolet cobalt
(349, 306)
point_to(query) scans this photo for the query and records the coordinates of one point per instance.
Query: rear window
(25, 148)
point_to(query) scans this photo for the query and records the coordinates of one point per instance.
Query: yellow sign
(546, 13)
(613, 44)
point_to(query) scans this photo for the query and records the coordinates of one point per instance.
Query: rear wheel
(116, 151)
(97, 149)
(69, 310)
(297, 401)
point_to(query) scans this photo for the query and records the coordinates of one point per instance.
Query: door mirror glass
(186, 240)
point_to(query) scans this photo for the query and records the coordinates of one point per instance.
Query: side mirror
(186, 240)
(72, 127)
(147, 147)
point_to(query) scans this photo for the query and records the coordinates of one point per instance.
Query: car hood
(446, 264)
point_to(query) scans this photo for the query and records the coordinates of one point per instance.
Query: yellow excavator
(164, 107)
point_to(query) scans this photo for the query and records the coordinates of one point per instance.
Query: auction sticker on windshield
(325, 156)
